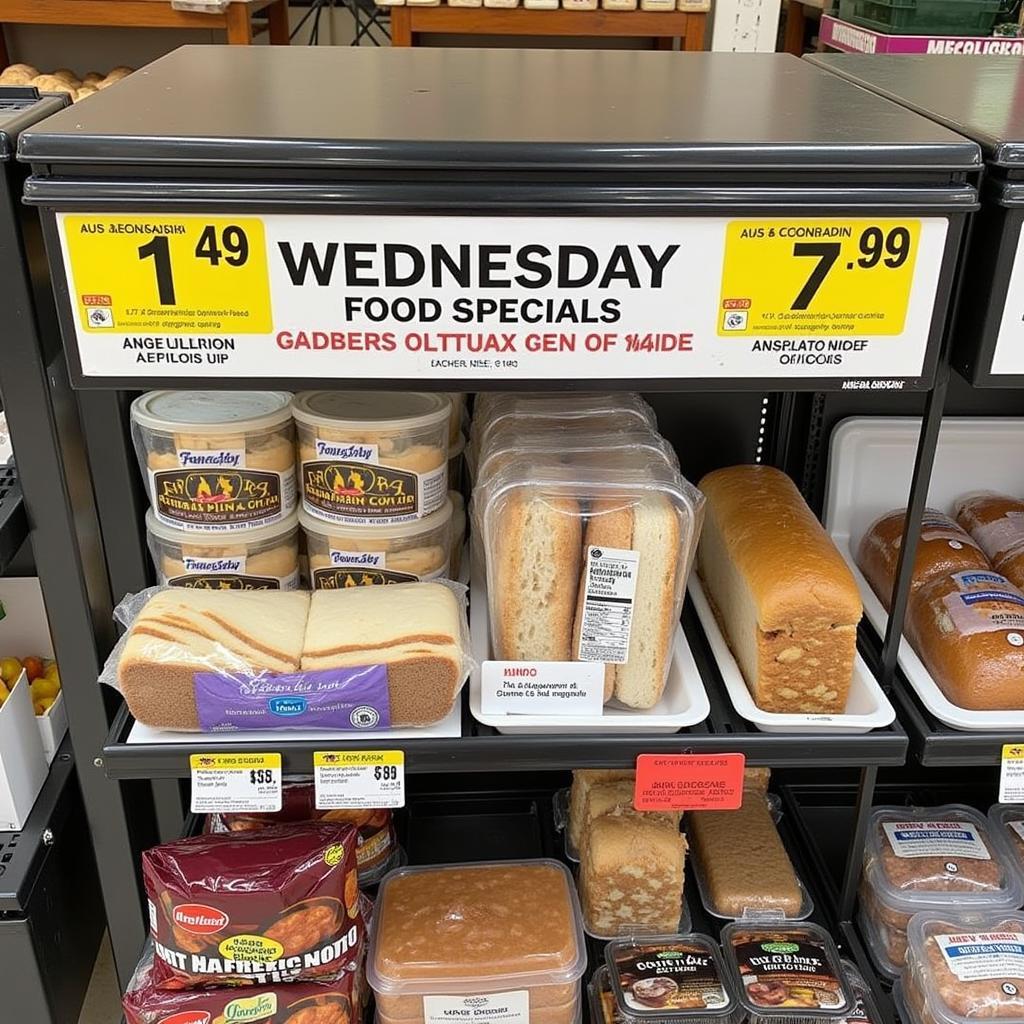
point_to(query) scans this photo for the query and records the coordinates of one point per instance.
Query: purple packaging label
(354, 698)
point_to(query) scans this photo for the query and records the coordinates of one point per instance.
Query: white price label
(359, 779)
(501, 298)
(1011, 774)
(556, 688)
(234, 783)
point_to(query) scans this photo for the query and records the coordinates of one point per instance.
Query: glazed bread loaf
(414, 629)
(583, 779)
(742, 860)
(944, 547)
(182, 632)
(649, 526)
(785, 599)
(995, 521)
(631, 873)
(968, 630)
(535, 576)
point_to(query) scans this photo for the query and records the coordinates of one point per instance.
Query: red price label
(689, 782)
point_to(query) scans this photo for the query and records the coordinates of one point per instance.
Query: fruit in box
(43, 676)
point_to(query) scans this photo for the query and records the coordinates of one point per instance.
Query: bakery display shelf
(478, 748)
(13, 520)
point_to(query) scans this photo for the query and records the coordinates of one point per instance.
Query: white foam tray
(683, 703)
(867, 707)
(871, 460)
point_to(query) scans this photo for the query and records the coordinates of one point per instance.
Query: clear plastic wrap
(216, 460)
(505, 935)
(372, 457)
(359, 658)
(965, 967)
(929, 859)
(341, 556)
(260, 558)
(588, 562)
(1006, 823)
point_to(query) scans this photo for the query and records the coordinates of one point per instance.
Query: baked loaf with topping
(995, 521)
(582, 781)
(785, 599)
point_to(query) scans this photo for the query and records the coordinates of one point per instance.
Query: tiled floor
(103, 1000)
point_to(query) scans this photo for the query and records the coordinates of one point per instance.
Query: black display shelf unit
(772, 137)
(13, 521)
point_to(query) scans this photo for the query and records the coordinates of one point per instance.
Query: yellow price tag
(1011, 774)
(161, 274)
(359, 779)
(823, 278)
(235, 782)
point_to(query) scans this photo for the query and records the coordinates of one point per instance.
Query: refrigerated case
(232, 220)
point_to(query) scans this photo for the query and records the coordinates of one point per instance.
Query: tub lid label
(986, 956)
(494, 1007)
(351, 296)
(935, 839)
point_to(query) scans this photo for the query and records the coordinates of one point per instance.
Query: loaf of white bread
(785, 599)
(414, 629)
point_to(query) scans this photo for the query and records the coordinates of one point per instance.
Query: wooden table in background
(236, 20)
(662, 26)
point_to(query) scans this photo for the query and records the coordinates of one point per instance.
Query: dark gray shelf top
(476, 109)
(21, 106)
(982, 99)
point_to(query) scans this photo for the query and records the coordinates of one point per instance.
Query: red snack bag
(298, 803)
(337, 1000)
(278, 904)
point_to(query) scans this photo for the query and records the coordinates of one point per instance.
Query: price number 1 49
(231, 245)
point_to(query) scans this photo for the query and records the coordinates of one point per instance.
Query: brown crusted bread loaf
(944, 547)
(533, 579)
(742, 860)
(651, 527)
(995, 521)
(787, 602)
(414, 629)
(631, 874)
(180, 632)
(1011, 565)
(968, 630)
(610, 797)
(582, 781)
(757, 779)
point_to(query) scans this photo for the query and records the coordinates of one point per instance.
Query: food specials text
(530, 297)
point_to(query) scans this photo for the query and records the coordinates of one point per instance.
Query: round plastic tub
(356, 556)
(372, 457)
(508, 932)
(933, 859)
(216, 460)
(456, 462)
(261, 558)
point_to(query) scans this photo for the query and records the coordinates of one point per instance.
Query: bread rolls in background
(996, 522)
(62, 80)
(943, 548)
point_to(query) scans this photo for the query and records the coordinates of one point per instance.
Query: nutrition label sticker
(346, 779)
(985, 956)
(608, 604)
(1011, 775)
(223, 783)
(935, 839)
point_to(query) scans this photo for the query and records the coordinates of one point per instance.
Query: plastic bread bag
(588, 562)
(354, 659)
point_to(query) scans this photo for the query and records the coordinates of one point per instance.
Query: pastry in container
(503, 938)
(372, 457)
(671, 978)
(964, 967)
(944, 547)
(588, 562)
(340, 555)
(1006, 823)
(260, 558)
(929, 859)
(216, 460)
(786, 972)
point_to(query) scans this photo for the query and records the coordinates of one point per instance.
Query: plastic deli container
(787, 973)
(929, 859)
(260, 558)
(356, 556)
(458, 400)
(671, 978)
(964, 967)
(503, 939)
(1006, 823)
(456, 462)
(864, 1011)
(588, 562)
(458, 531)
(216, 460)
(372, 457)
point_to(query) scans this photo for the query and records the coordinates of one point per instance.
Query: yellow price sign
(825, 277)
(168, 274)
